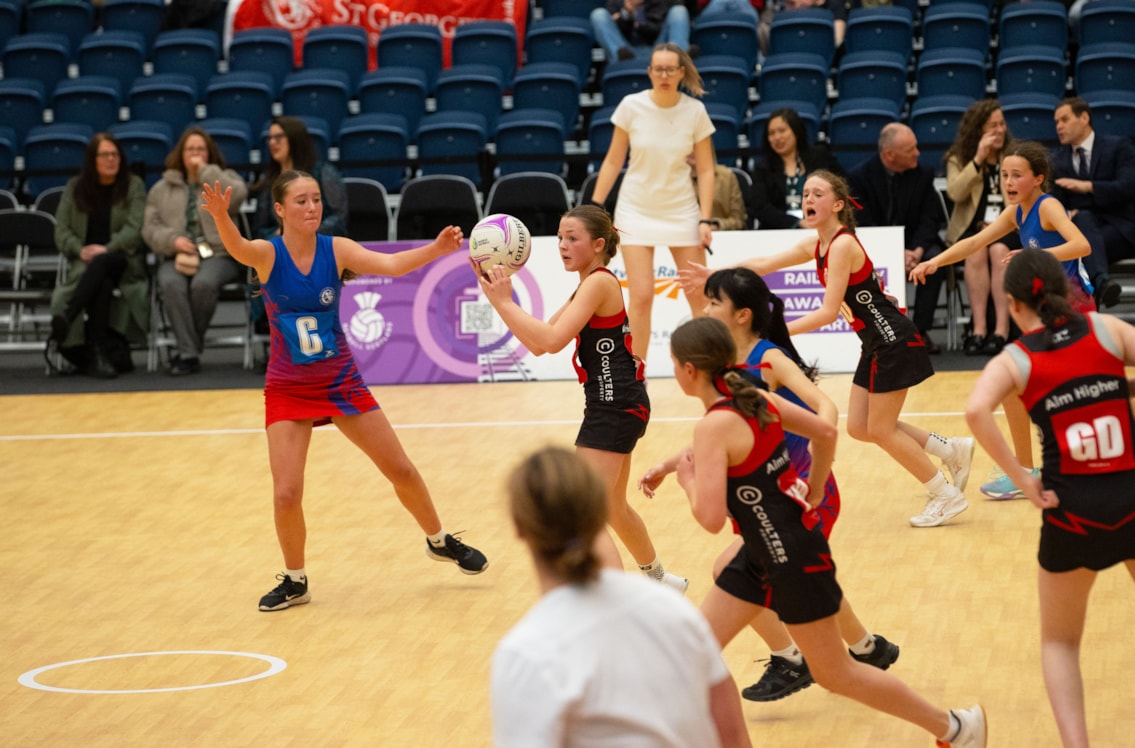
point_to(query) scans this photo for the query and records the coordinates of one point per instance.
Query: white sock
(297, 575)
(936, 485)
(866, 645)
(792, 654)
(938, 446)
(437, 540)
(654, 569)
(954, 730)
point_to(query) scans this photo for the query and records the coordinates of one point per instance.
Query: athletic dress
(311, 372)
(1034, 236)
(1077, 395)
(616, 408)
(893, 354)
(828, 509)
(657, 204)
(785, 563)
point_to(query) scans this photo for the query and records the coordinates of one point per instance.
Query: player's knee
(288, 496)
(402, 473)
(858, 432)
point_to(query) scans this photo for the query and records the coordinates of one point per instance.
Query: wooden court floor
(141, 523)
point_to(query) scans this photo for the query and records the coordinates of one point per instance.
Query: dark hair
(1036, 279)
(1077, 105)
(559, 504)
(1034, 153)
(301, 150)
(176, 160)
(964, 147)
(747, 290)
(842, 191)
(796, 124)
(280, 186)
(597, 221)
(87, 185)
(691, 80)
(706, 343)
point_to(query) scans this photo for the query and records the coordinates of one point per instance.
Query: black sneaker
(468, 559)
(882, 656)
(288, 592)
(781, 679)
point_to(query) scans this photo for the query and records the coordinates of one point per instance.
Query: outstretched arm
(963, 248)
(692, 278)
(353, 256)
(652, 478)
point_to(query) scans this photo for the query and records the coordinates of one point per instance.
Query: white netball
(500, 239)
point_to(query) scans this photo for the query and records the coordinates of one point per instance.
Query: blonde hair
(691, 80)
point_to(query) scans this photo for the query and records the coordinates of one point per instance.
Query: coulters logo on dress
(367, 328)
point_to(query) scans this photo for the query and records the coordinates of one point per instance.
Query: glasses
(109, 154)
(666, 72)
(276, 137)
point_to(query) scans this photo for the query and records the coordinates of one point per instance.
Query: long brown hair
(301, 150)
(706, 343)
(87, 185)
(176, 160)
(964, 147)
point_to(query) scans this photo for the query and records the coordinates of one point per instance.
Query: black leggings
(94, 293)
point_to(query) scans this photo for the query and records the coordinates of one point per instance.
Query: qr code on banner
(478, 318)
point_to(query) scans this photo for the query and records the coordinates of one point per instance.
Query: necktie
(1082, 172)
(890, 200)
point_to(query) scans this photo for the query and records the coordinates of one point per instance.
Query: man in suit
(1094, 177)
(895, 190)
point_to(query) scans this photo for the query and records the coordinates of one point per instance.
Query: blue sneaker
(1002, 487)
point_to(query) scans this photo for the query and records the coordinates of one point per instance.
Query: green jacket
(130, 312)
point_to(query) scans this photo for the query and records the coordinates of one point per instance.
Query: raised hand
(215, 200)
(692, 278)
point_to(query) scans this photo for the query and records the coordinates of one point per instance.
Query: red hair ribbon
(1038, 286)
(854, 202)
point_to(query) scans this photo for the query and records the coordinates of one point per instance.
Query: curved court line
(29, 678)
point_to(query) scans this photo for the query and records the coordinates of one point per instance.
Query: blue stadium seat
(726, 136)
(11, 16)
(471, 88)
(370, 137)
(90, 99)
(560, 39)
(1107, 66)
(165, 97)
(809, 30)
(57, 149)
(414, 44)
(599, 132)
(72, 18)
(266, 50)
(526, 133)
(344, 48)
(623, 77)
(395, 89)
(951, 71)
(246, 95)
(878, 73)
(571, 8)
(548, 85)
(192, 52)
(1029, 68)
(1043, 22)
(758, 121)
(42, 56)
(1106, 21)
(317, 92)
(233, 137)
(452, 143)
(1029, 115)
(145, 143)
(21, 105)
(886, 28)
(118, 54)
(964, 24)
(854, 125)
(9, 147)
(726, 81)
(726, 34)
(486, 43)
(142, 16)
(794, 76)
(1113, 112)
(935, 120)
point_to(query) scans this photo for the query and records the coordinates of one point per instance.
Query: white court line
(397, 427)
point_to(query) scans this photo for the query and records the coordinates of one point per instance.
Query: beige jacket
(964, 185)
(165, 209)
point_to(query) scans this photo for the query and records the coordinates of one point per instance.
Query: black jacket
(916, 207)
(770, 195)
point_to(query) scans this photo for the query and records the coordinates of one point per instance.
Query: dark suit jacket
(916, 207)
(770, 196)
(1112, 172)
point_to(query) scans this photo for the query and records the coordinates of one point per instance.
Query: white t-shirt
(657, 205)
(620, 662)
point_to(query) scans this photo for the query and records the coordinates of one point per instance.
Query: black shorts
(895, 366)
(612, 429)
(1067, 544)
(800, 592)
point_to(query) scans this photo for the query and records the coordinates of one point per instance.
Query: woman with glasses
(290, 147)
(657, 202)
(98, 229)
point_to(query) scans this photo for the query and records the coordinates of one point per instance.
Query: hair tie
(1038, 286)
(854, 202)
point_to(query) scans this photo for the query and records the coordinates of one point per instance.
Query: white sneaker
(941, 508)
(959, 461)
(973, 731)
(675, 582)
